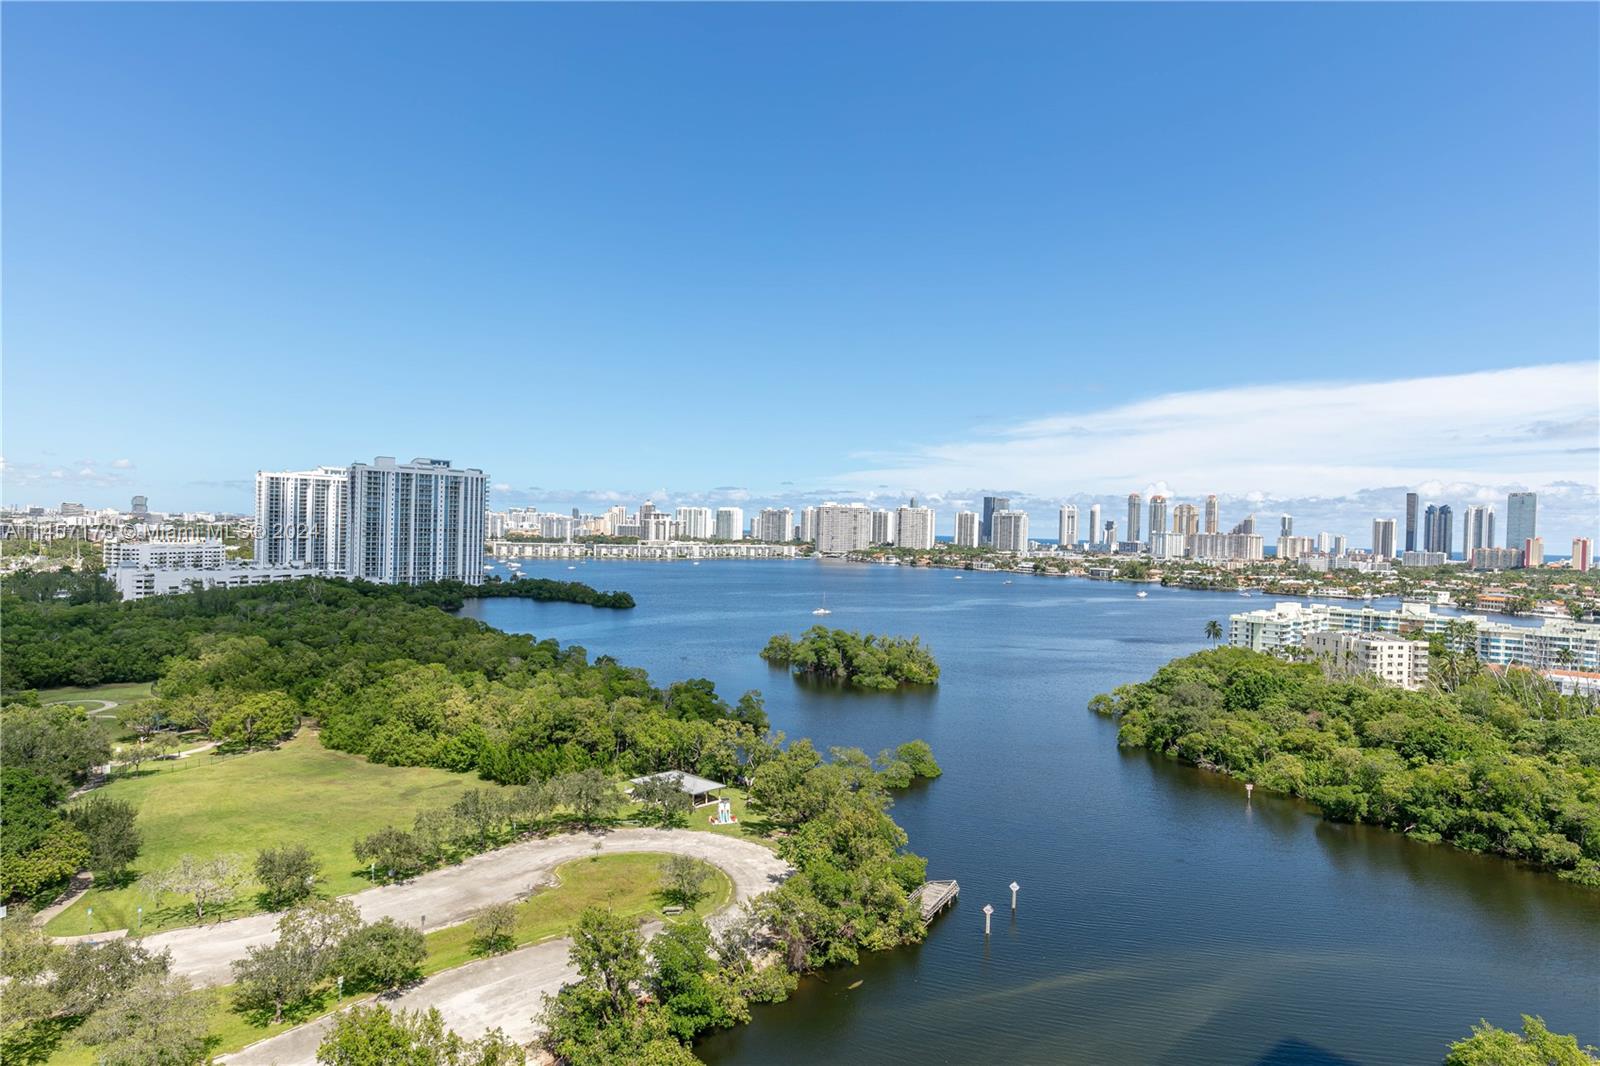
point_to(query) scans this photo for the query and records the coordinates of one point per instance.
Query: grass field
(212, 804)
(627, 885)
(125, 695)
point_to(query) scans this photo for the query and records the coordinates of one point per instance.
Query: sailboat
(824, 608)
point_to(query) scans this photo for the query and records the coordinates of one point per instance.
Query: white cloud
(1532, 426)
(122, 464)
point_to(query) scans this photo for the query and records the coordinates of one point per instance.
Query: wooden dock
(935, 896)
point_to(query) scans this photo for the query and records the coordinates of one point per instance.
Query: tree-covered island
(869, 661)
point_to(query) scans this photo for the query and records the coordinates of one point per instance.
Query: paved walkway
(507, 991)
(450, 896)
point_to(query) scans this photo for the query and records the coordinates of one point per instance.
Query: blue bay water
(1162, 918)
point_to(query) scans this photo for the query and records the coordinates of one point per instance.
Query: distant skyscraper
(843, 528)
(1582, 553)
(1094, 523)
(1185, 519)
(694, 523)
(914, 527)
(1522, 514)
(1441, 531)
(1383, 538)
(1245, 526)
(729, 523)
(1213, 519)
(808, 525)
(1109, 537)
(1011, 531)
(1286, 525)
(141, 507)
(1413, 502)
(775, 524)
(991, 504)
(969, 529)
(1067, 534)
(1477, 530)
(1533, 551)
(302, 518)
(1134, 506)
(883, 527)
(1158, 514)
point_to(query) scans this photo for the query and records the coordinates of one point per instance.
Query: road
(450, 896)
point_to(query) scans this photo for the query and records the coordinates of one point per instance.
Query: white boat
(1141, 594)
(958, 577)
(824, 608)
(572, 568)
(1007, 582)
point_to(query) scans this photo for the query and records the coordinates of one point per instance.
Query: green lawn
(212, 804)
(625, 884)
(747, 826)
(125, 694)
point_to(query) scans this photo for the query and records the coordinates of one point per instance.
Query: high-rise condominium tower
(1011, 531)
(1185, 519)
(1158, 514)
(1383, 538)
(1522, 515)
(729, 523)
(1095, 526)
(415, 522)
(1067, 534)
(969, 529)
(1134, 500)
(843, 528)
(1213, 519)
(914, 527)
(1477, 530)
(303, 518)
(1413, 503)
(775, 524)
(991, 504)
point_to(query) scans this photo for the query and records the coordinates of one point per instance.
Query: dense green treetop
(1498, 764)
(869, 661)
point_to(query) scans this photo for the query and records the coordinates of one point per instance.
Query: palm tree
(1213, 630)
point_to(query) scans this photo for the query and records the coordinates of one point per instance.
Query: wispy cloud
(1525, 426)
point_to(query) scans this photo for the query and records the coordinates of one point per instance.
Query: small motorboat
(1141, 594)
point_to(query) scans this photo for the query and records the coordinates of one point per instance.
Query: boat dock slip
(935, 896)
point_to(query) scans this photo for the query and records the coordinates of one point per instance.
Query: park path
(449, 896)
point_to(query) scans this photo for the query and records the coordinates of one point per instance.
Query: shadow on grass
(313, 1006)
(35, 1042)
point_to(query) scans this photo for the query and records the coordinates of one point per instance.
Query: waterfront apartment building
(728, 524)
(416, 522)
(1556, 643)
(1477, 529)
(1186, 519)
(1067, 529)
(1213, 516)
(914, 527)
(775, 524)
(1131, 531)
(1285, 526)
(1423, 558)
(1522, 518)
(655, 527)
(1533, 551)
(1095, 524)
(1436, 533)
(693, 523)
(209, 554)
(1227, 547)
(991, 504)
(1383, 538)
(883, 526)
(302, 518)
(843, 528)
(1413, 506)
(1011, 531)
(969, 529)
(1582, 554)
(1393, 660)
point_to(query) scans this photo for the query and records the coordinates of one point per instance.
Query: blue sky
(787, 252)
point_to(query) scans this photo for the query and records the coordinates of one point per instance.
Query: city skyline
(542, 277)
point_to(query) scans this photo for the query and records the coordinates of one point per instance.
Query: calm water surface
(1162, 919)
